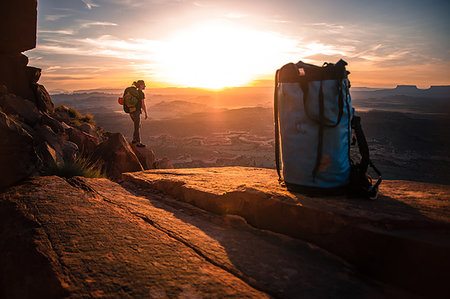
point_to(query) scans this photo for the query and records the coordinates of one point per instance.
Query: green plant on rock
(79, 167)
(77, 118)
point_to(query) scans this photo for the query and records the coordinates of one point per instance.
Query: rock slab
(402, 238)
(94, 238)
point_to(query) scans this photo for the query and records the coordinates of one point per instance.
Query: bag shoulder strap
(277, 126)
(365, 161)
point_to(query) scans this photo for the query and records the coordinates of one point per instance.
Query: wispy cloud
(90, 4)
(65, 32)
(103, 46)
(55, 17)
(90, 24)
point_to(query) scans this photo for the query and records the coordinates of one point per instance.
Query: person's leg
(135, 116)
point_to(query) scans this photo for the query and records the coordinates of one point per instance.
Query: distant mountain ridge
(407, 90)
(435, 91)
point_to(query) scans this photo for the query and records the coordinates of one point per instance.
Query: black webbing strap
(320, 137)
(365, 156)
(362, 143)
(277, 126)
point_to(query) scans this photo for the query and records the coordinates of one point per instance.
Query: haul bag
(312, 124)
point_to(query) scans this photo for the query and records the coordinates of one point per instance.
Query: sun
(216, 55)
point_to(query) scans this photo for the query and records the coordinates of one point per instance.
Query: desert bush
(76, 117)
(79, 167)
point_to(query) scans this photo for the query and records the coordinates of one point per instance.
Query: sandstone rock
(86, 143)
(24, 109)
(91, 130)
(402, 238)
(62, 114)
(54, 124)
(42, 98)
(65, 126)
(116, 156)
(17, 155)
(70, 151)
(47, 155)
(163, 163)
(145, 155)
(13, 74)
(45, 134)
(18, 29)
(81, 238)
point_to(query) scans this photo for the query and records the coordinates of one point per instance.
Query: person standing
(134, 103)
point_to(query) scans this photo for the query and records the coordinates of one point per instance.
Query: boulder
(115, 156)
(42, 98)
(86, 143)
(70, 151)
(145, 155)
(56, 125)
(17, 155)
(46, 134)
(163, 163)
(91, 130)
(47, 155)
(24, 109)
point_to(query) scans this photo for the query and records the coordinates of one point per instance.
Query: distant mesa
(406, 87)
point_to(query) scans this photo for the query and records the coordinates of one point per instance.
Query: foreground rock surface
(94, 238)
(401, 238)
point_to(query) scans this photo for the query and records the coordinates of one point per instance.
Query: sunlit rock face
(116, 156)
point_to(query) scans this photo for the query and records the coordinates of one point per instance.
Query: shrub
(76, 117)
(80, 167)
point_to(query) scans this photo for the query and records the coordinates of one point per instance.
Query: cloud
(55, 17)
(103, 46)
(90, 24)
(65, 32)
(90, 4)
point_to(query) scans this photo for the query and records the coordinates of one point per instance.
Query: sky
(88, 44)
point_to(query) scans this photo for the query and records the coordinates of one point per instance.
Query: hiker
(134, 102)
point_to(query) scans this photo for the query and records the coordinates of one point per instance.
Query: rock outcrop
(145, 155)
(36, 139)
(401, 238)
(116, 156)
(94, 238)
(17, 34)
(17, 155)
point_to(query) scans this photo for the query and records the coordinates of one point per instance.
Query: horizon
(103, 89)
(224, 44)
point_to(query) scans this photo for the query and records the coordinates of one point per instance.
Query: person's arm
(144, 108)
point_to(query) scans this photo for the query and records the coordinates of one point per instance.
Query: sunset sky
(86, 44)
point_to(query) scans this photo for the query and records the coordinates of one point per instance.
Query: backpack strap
(277, 126)
(370, 191)
(320, 137)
